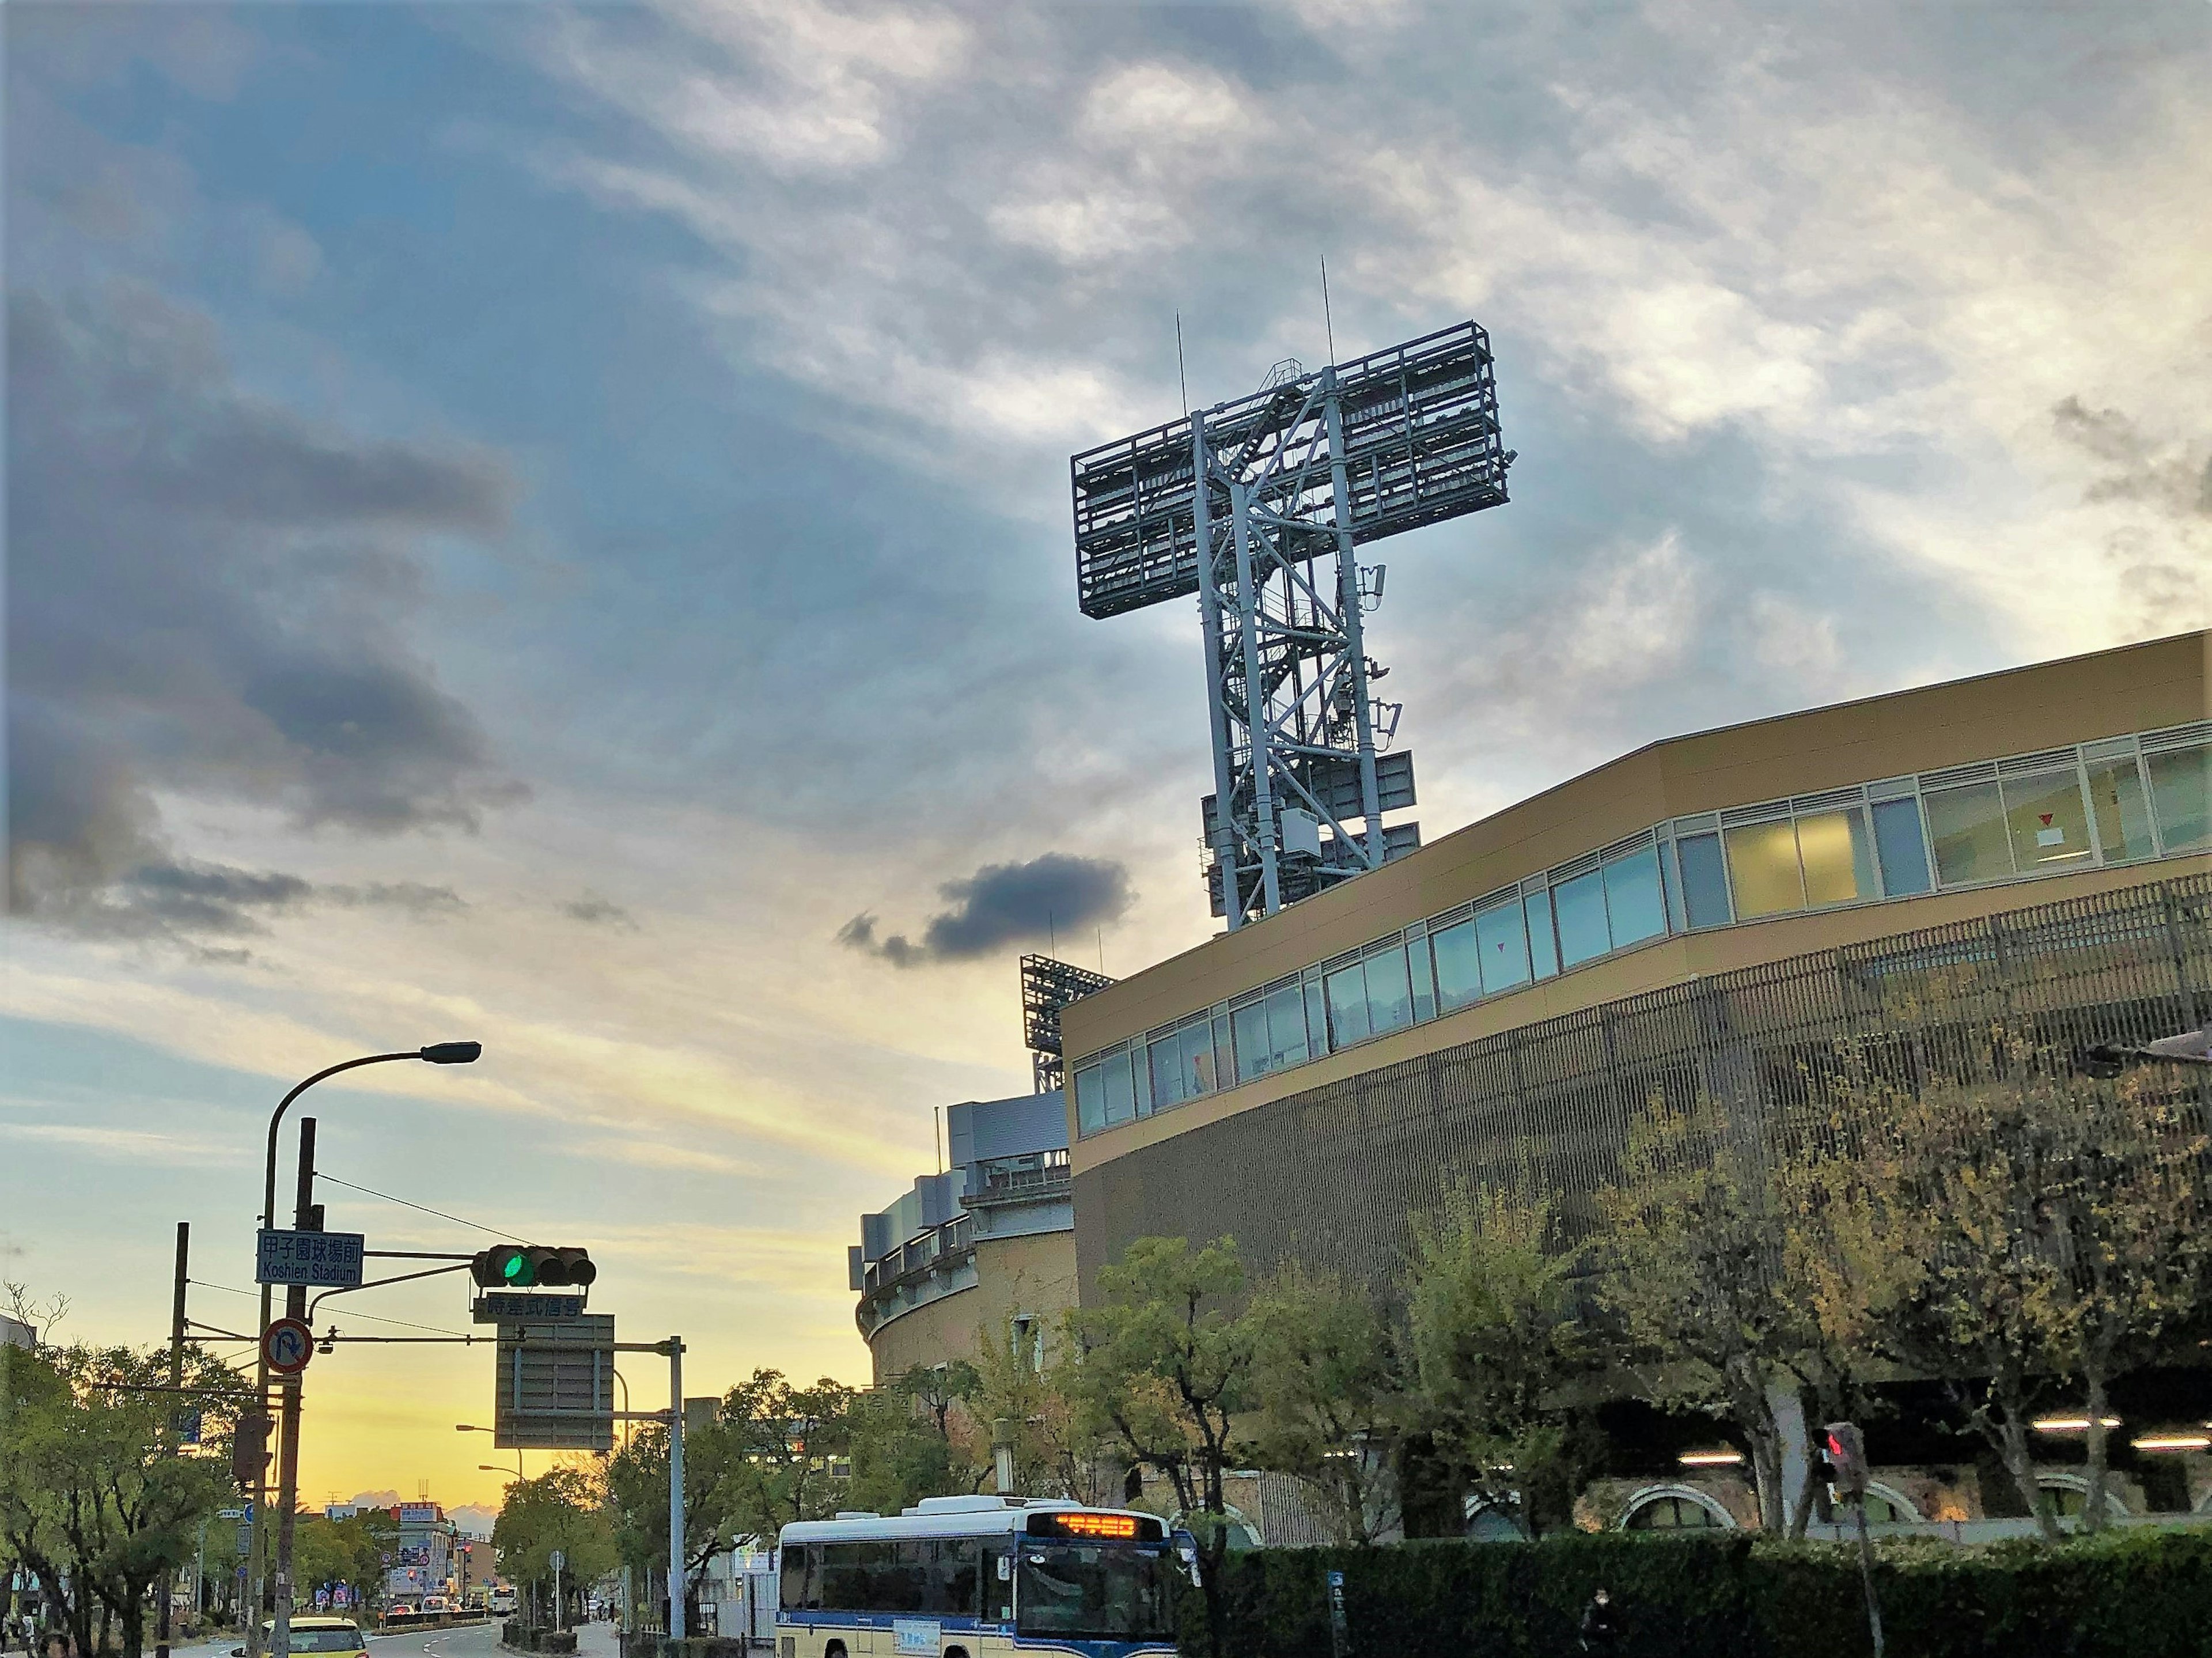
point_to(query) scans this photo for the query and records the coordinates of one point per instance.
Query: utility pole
(676, 1572)
(162, 1613)
(304, 1219)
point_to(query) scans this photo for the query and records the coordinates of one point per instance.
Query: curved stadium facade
(1709, 916)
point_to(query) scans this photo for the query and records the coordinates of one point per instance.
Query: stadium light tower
(1258, 506)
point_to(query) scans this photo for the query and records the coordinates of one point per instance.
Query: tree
(904, 1446)
(2009, 1234)
(1165, 1367)
(1058, 1448)
(564, 1508)
(352, 1552)
(96, 1501)
(1700, 1280)
(1493, 1339)
(1330, 1397)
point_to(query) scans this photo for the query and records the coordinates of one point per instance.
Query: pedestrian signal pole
(676, 1573)
(1845, 1450)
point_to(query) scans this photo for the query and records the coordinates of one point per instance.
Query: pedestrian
(1600, 1623)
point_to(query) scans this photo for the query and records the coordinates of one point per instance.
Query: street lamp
(471, 1427)
(296, 1306)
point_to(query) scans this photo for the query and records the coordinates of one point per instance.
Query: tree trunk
(2098, 1448)
(1808, 1493)
(2020, 1462)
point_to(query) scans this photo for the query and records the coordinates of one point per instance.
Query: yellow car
(326, 1637)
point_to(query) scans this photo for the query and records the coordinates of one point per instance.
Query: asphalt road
(477, 1641)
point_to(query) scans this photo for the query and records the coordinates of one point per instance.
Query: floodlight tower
(1258, 506)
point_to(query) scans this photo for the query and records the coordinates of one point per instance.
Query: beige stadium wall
(2134, 688)
(1031, 1276)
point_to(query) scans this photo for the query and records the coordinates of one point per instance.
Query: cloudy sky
(549, 525)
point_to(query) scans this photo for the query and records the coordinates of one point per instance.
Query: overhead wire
(476, 1225)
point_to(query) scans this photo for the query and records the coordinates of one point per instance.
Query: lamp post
(471, 1427)
(296, 1306)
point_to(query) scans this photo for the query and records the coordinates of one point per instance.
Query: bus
(980, 1577)
(500, 1601)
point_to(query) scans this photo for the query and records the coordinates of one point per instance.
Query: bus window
(998, 1582)
(802, 1577)
(954, 1590)
(1101, 1591)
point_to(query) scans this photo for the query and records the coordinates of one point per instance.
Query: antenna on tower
(1326, 322)
(1180, 381)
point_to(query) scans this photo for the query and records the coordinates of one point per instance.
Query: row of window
(928, 1577)
(2118, 801)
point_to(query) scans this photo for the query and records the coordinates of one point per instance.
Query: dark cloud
(1005, 904)
(209, 596)
(2141, 468)
(595, 911)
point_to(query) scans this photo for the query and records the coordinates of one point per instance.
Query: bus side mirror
(1186, 1548)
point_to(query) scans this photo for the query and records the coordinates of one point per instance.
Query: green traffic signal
(516, 1269)
(532, 1266)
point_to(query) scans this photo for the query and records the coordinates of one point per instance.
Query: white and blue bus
(980, 1577)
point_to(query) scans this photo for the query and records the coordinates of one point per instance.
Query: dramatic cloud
(207, 598)
(594, 911)
(1005, 904)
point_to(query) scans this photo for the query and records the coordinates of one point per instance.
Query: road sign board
(286, 1345)
(556, 1560)
(325, 1260)
(554, 1384)
(233, 1514)
(514, 1307)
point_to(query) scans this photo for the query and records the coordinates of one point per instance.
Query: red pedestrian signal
(1844, 1450)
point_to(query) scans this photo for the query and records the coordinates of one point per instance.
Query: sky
(549, 525)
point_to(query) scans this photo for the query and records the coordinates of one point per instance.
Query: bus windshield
(1104, 1591)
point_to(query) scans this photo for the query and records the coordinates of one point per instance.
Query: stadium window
(1705, 881)
(2181, 793)
(1089, 1101)
(1635, 906)
(1968, 827)
(2122, 815)
(1347, 1005)
(1543, 945)
(1389, 992)
(1501, 935)
(1763, 872)
(1168, 1071)
(1580, 906)
(2048, 825)
(1119, 1084)
(1458, 957)
(1901, 847)
(1838, 857)
(1286, 1027)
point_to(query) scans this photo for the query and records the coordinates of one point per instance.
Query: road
(477, 1641)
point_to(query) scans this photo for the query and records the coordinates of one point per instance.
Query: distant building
(424, 1564)
(987, 1246)
(15, 1334)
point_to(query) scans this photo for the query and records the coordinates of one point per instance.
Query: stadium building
(1702, 915)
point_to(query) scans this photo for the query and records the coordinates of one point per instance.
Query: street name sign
(513, 1306)
(322, 1260)
(554, 1384)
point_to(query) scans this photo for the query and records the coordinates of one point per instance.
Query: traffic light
(528, 1266)
(1846, 1453)
(249, 1448)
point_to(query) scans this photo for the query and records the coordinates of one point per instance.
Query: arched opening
(1672, 1509)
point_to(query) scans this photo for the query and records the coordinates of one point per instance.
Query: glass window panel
(2049, 822)
(1762, 862)
(2116, 800)
(1904, 852)
(1347, 1005)
(1968, 827)
(1224, 1053)
(1705, 882)
(1250, 1025)
(2181, 793)
(1503, 938)
(1389, 992)
(1317, 1018)
(1169, 1084)
(1668, 887)
(1199, 1075)
(1089, 1101)
(1459, 963)
(1286, 1027)
(1424, 984)
(1120, 1084)
(1543, 948)
(1838, 856)
(1580, 906)
(1633, 903)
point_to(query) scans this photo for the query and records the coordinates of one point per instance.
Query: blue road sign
(324, 1261)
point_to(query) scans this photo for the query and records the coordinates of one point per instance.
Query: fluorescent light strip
(2173, 1442)
(1710, 1459)
(2068, 1425)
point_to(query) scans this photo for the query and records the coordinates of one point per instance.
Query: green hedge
(2136, 1594)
